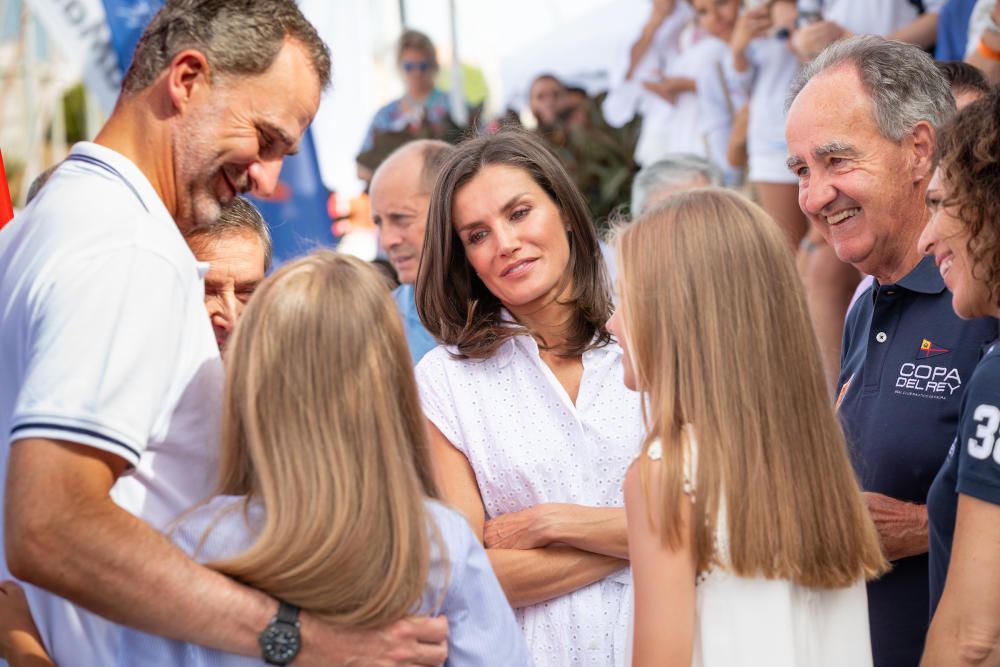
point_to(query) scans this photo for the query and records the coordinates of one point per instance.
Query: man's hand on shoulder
(902, 526)
(412, 642)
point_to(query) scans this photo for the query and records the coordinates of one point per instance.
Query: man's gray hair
(237, 37)
(671, 171)
(904, 84)
(237, 217)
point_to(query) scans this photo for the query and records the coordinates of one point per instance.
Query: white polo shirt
(104, 341)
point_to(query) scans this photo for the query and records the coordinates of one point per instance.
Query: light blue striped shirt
(481, 626)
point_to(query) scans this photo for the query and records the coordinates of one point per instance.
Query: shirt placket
(884, 328)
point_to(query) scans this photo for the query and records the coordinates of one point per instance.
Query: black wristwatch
(280, 641)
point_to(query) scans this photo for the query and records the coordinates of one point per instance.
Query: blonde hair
(720, 339)
(322, 425)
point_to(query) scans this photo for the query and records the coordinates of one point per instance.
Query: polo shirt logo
(928, 350)
(927, 381)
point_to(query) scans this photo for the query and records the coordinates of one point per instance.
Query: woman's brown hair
(322, 425)
(720, 339)
(454, 304)
(969, 156)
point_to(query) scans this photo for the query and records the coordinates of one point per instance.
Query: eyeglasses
(411, 65)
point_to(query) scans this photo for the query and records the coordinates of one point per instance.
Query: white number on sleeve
(988, 419)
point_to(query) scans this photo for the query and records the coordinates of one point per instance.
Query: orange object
(6, 205)
(988, 52)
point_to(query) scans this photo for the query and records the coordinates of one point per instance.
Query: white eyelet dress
(756, 622)
(529, 444)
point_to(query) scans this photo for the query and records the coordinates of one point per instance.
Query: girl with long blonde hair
(325, 484)
(748, 535)
(325, 495)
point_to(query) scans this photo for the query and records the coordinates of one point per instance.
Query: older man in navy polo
(861, 126)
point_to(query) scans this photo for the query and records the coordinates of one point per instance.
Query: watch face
(280, 643)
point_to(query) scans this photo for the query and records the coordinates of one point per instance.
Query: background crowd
(697, 371)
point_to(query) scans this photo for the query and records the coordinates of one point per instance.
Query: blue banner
(297, 213)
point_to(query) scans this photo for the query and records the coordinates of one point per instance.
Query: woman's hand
(670, 87)
(599, 530)
(809, 40)
(527, 529)
(751, 24)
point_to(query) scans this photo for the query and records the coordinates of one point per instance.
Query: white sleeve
(436, 398)
(623, 99)
(105, 335)
(741, 82)
(977, 24)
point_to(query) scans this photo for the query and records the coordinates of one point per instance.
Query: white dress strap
(655, 453)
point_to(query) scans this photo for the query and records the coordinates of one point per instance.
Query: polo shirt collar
(131, 173)
(924, 278)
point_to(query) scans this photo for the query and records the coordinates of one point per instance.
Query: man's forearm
(530, 576)
(922, 31)
(114, 564)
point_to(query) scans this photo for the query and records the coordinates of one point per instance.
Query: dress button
(880, 336)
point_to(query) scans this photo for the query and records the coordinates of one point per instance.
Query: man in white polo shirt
(109, 374)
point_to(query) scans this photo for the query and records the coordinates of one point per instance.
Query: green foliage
(385, 142)
(74, 104)
(600, 158)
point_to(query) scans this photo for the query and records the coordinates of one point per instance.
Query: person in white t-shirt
(901, 20)
(651, 80)
(983, 45)
(749, 537)
(530, 426)
(109, 374)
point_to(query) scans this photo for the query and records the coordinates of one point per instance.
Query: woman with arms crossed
(531, 430)
(963, 505)
(748, 535)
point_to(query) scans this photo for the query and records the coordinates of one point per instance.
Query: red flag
(6, 206)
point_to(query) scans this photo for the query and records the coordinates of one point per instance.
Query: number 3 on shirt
(988, 421)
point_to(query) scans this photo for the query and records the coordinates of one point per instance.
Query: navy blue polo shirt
(972, 467)
(906, 360)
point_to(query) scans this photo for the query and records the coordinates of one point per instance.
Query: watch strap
(287, 613)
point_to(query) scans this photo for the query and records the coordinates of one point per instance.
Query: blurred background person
(967, 82)
(983, 46)
(400, 196)
(718, 101)
(761, 66)
(547, 100)
(672, 174)
(421, 104)
(901, 20)
(237, 249)
(963, 505)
